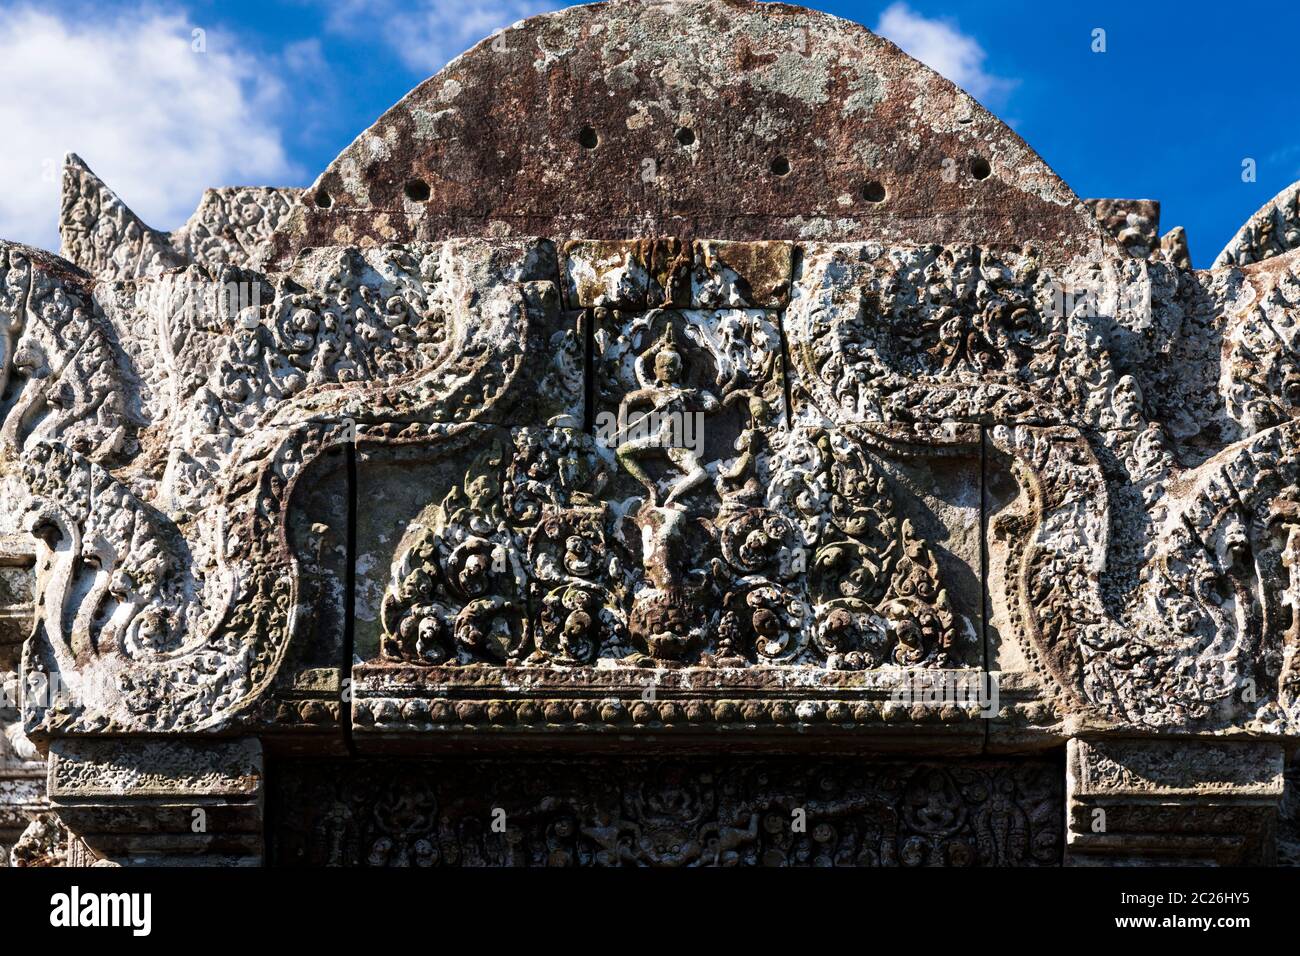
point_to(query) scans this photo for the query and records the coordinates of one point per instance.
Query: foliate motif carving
(62, 374)
(232, 226)
(1260, 382)
(959, 333)
(1145, 579)
(1150, 768)
(547, 552)
(1272, 231)
(101, 235)
(752, 485)
(1178, 801)
(169, 588)
(344, 465)
(659, 454)
(660, 813)
(695, 529)
(155, 768)
(521, 525)
(1202, 634)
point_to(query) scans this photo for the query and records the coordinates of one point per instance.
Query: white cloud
(940, 45)
(427, 34)
(156, 120)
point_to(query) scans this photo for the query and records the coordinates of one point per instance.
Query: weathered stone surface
(232, 226)
(1134, 223)
(1187, 802)
(22, 768)
(488, 442)
(715, 812)
(1174, 248)
(43, 843)
(143, 803)
(1272, 231)
(713, 119)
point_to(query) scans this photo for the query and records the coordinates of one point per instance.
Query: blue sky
(1182, 95)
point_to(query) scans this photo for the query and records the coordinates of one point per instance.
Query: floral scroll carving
(862, 464)
(176, 621)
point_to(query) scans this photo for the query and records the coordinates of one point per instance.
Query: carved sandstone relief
(169, 592)
(480, 440)
(687, 528)
(819, 486)
(661, 813)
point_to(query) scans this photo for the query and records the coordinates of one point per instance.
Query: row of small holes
(872, 192)
(417, 190)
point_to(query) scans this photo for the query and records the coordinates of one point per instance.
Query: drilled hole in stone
(980, 168)
(323, 199)
(873, 192)
(781, 166)
(417, 190)
(588, 138)
(686, 136)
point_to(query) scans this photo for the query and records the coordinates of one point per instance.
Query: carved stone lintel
(667, 812)
(1187, 802)
(156, 803)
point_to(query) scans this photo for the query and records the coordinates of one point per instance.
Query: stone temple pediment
(706, 391)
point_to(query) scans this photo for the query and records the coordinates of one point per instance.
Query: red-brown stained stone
(708, 119)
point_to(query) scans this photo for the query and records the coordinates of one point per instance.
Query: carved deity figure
(662, 429)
